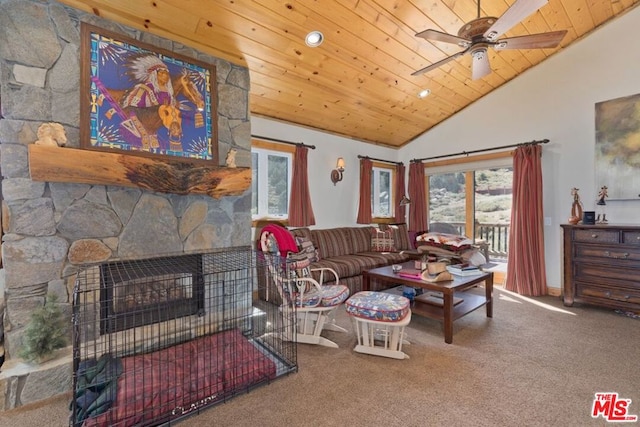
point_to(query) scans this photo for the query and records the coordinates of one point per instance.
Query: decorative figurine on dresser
(576, 207)
(602, 265)
(600, 204)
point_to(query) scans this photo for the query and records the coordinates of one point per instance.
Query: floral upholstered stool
(379, 319)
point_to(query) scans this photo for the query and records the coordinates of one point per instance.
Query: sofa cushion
(341, 269)
(356, 263)
(387, 258)
(332, 242)
(378, 306)
(360, 239)
(382, 240)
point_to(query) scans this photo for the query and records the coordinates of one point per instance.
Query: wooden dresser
(602, 265)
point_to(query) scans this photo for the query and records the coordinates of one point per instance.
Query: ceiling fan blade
(480, 64)
(516, 13)
(438, 36)
(439, 63)
(532, 41)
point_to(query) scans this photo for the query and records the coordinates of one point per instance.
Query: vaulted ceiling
(359, 82)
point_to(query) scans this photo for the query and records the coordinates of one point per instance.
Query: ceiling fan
(477, 35)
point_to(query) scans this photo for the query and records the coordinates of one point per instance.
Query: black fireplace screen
(137, 293)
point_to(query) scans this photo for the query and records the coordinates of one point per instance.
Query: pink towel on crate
(286, 241)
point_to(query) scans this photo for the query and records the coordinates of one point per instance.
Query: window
(271, 182)
(382, 178)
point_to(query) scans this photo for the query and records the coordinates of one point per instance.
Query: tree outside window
(271, 183)
(382, 192)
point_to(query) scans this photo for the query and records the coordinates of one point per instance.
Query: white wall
(554, 101)
(337, 205)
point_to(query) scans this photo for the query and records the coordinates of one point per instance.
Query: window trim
(276, 147)
(383, 219)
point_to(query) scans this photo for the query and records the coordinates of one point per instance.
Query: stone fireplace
(49, 228)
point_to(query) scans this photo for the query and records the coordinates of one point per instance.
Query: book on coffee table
(436, 298)
(468, 271)
(410, 273)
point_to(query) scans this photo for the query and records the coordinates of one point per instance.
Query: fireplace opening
(144, 292)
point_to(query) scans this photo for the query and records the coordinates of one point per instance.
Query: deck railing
(496, 236)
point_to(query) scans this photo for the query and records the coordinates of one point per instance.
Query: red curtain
(399, 191)
(300, 209)
(417, 194)
(526, 272)
(364, 208)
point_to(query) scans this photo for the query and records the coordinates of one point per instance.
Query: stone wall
(49, 229)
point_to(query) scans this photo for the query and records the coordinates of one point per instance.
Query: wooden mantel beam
(57, 164)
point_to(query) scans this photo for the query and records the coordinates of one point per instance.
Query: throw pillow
(382, 240)
(305, 246)
(400, 235)
(298, 265)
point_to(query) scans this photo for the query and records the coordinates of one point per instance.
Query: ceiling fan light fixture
(314, 39)
(479, 54)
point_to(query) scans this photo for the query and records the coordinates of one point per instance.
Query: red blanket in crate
(168, 383)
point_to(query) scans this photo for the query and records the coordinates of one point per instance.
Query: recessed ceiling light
(314, 39)
(424, 93)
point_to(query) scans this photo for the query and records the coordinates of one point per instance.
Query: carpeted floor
(536, 363)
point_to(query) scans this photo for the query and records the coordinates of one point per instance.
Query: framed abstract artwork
(142, 100)
(617, 156)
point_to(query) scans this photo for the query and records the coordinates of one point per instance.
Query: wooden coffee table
(449, 311)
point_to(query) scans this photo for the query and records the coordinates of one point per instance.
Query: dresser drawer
(630, 296)
(613, 253)
(587, 272)
(596, 236)
(631, 237)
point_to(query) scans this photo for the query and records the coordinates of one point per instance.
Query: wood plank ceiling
(358, 83)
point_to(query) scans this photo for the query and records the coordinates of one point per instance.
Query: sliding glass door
(475, 203)
(492, 208)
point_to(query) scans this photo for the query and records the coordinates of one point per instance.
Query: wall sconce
(336, 174)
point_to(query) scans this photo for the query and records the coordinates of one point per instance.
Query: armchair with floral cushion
(312, 302)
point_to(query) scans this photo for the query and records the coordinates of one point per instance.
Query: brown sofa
(350, 250)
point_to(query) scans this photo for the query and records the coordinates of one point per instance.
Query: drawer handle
(627, 297)
(607, 294)
(624, 255)
(594, 235)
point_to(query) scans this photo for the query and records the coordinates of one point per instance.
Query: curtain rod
(313, 147)
(379, 160)
(466, 153)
